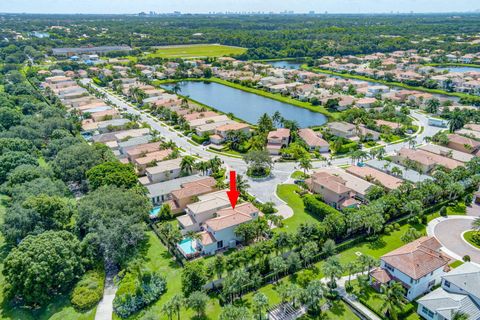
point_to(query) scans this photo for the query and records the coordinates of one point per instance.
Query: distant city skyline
(208, 6)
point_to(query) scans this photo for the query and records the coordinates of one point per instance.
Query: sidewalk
(105, 307)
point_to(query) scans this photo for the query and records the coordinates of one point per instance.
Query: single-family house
(278, 139)
(313, 140)
(333, 190)
(424, 161)
(464, 144)
(375, 176)
(164, 170)
(417, 265)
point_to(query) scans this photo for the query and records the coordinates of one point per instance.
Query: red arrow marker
(233, 193)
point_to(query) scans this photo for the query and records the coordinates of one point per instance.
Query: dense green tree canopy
(112, 173)
(113, 220)
(42, 266)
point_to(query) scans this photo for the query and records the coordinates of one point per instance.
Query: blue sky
(205, 6)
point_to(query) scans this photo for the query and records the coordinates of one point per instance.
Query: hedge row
(88, 291)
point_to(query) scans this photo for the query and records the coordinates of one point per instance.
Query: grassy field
(196, 51)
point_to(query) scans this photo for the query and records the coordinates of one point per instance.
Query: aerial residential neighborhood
(240, 160)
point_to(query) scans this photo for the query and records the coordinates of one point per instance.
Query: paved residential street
(449, 232)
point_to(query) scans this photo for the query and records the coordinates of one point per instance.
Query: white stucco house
(418, 266)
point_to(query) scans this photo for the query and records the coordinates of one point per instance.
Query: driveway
(449, 232)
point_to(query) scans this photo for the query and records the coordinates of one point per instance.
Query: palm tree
(187, 164)
(259, 304)
(332, 269)
(169, 309)
(457, 121)
(177, 302)
(265, 123)
(380, 152)
(242, 184)
(312, 296)
(394, 294)
(193, 235)
(219, 265)
(176, 88)
(197, 301)
(203, 166)
(305, 163)
(476, 224)
(277, 118)
(397, 171)
(276, 220)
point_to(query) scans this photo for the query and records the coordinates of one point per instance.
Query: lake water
(246, 106)
(285, 64)
(460, 69)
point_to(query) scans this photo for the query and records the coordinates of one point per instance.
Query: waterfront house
(278, 139)
(313, 140)
(417, 265)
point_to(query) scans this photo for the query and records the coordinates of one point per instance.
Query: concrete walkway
(352, 300)
(105, 307)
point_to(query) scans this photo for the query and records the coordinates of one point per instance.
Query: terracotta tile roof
(418, 258)
(329, 181)
(144, 148)
(198, 115)
(206, 238)
(229, 217)
(381, 275)
(428, 158)
(311, 138)
(384, 179)
(194, 188)
(280, 133)
(473, 126)
(233, 126)
(458, 139)
(389, 124)
(154, 156)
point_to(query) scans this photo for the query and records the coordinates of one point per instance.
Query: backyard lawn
(287, 192)
(197, 51)
(60, 309)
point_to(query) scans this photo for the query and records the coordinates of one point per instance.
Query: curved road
(449, 232)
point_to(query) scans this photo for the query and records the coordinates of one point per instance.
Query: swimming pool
(154, 212)
(187, 246)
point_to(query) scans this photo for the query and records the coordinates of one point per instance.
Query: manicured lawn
(298, 175)
(287, 192)
(60, 309)
(468, 237)
(197, 51)
(459, 209)
(456, 264)
(158, 259)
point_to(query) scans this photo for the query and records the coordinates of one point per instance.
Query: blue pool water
(154, 212)
(187, 246)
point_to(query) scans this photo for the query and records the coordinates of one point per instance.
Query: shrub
(199, 139)
(476, 238)
(468, 199)
(443, 211)
(466, 258)
(315, 206)
(136, 291)
(388, 229)
(88, 291)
